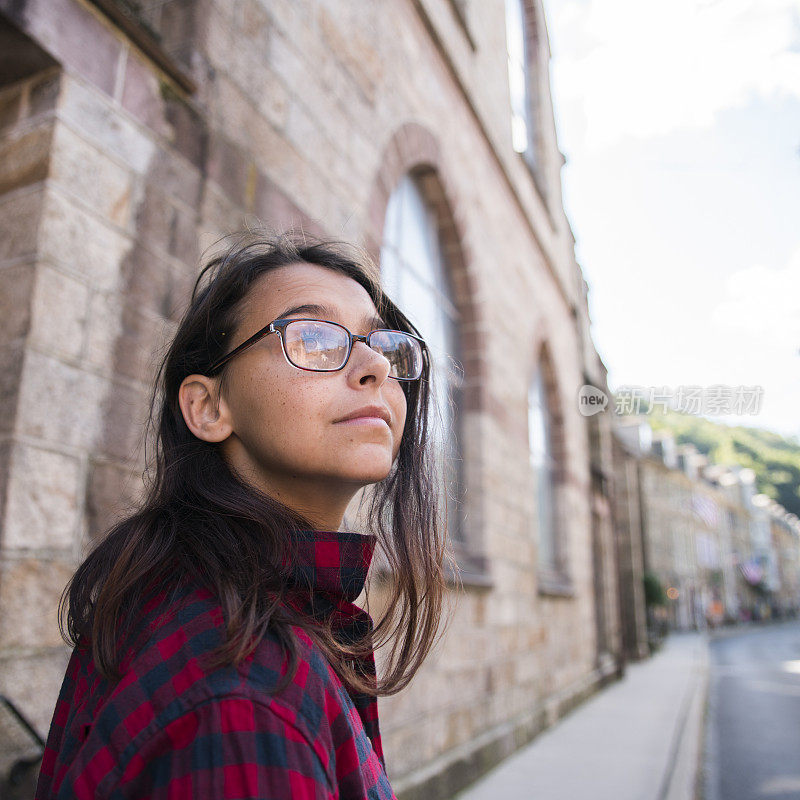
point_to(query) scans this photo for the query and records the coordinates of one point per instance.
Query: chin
(375, 477)
(368, 474)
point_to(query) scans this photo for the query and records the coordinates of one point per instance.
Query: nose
(367, 361)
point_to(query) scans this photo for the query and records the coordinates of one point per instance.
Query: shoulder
(169, 717)
(233, 745)
(165, 682)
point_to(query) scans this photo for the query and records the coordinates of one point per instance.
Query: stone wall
(118, 180)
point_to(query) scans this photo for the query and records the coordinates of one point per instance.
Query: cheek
(278, 414)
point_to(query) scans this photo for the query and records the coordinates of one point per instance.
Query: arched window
(522, 80)
(543, 462)
(413, 274)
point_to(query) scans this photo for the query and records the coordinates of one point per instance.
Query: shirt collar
(333, 563)
(330, 570)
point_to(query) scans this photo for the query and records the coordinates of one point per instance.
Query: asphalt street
(752, 745)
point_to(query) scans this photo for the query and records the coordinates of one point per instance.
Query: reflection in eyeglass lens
(323, 346)
(402, 352)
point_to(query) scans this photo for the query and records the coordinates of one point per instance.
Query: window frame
(460, 12)
(471, 566)
(533, 156)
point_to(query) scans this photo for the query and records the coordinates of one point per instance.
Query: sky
(680, 123)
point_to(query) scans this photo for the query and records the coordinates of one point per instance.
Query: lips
(381, 412)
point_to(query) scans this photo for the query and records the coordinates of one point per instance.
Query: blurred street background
(712, 715)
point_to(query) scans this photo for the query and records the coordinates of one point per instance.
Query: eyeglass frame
(279, 325)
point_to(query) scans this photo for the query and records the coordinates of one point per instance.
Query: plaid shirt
(170, 730)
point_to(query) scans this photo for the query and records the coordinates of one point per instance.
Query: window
(517, 74)
(414, 276)
(540, 440)
(521, 46)
(460, 11)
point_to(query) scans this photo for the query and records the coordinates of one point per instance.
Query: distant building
(671, 529)
(722, 553)
(785, 529)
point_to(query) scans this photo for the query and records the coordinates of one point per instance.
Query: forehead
(302, 283)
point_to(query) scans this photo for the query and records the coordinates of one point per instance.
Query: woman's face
(285, 432)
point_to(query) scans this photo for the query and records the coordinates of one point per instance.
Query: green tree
(653, 590)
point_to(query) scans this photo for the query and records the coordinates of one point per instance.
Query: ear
(197, 397)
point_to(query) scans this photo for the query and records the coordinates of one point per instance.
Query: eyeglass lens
(323, 346)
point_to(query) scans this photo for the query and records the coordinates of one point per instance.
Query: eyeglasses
(322, 346)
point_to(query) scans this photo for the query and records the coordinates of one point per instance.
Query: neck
(321, 501)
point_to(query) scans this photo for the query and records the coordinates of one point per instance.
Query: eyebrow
(331, 313)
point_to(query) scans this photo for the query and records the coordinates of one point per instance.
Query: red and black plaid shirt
(169, 730)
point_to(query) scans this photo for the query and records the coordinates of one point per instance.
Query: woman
(218, 652)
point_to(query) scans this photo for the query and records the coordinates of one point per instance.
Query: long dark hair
(199, 521)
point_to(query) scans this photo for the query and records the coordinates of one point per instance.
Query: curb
(683, 775)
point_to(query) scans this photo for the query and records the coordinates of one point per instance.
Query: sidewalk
(638, 739)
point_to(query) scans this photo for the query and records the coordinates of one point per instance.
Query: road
(753, 718)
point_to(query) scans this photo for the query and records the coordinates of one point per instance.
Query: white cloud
(644, 69)
(764, 304)
(757, 325)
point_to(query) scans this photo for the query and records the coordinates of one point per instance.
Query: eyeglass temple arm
(265, 331)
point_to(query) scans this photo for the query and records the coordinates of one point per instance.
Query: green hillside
(775, 459)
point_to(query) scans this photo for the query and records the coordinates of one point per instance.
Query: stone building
(134, 134)
(610, 543)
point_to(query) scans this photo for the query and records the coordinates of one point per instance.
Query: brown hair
(200, 521)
